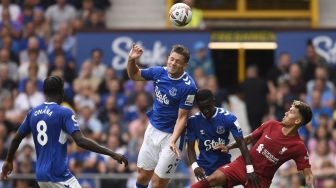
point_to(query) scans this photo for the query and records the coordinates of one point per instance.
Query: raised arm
(91, 145)
(7, 166)
(308, 177)
(180, 125)
(247, 140)
(133, 70)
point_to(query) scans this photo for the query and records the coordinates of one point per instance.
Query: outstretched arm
(198, 171)
(91, 145)
(309, 177)
(8, 163)
(180, 125)
(133, 70)
(247, 140)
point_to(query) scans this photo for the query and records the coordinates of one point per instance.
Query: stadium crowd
(38, 39)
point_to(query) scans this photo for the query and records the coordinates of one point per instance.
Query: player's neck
(175, 76)
(289, 131)
(51, 99)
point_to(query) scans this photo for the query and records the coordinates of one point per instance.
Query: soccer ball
(180, 14)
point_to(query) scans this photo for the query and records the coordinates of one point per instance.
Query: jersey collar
(174, 78)
(213, 115)
(49, 103)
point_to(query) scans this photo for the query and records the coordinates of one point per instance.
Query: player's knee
(144, 176)
(217, 178)
(158, 182)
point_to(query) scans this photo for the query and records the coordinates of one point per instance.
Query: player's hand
(173, 147)
(7, 168)
(120, 158)
(223, 148)
(199, 173)
(135, 52)
(253, 179)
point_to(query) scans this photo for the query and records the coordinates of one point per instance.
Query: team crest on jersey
(220, 130)
(283, 150)
(173, 91)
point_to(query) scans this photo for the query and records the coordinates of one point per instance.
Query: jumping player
(49, 123)
(174, 96)
(212, 126)
(276, 143)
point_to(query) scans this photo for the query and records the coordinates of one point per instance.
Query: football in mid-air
(180, 14)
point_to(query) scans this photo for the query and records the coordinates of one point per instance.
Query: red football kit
(271, 150)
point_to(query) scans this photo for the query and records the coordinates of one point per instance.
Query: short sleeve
(235, 129)
(256, 134)
(301, 158)
(25, 128)
(151, 73)
(187, 99)
(70, 124)
(190, 131)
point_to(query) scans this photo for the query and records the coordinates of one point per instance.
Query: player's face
(207, 108)
(176, 64)
(292, 117)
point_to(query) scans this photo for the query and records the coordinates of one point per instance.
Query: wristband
(194, 165)
(249, 169)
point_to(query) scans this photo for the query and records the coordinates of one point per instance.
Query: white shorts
(155, 153)
(70, 183)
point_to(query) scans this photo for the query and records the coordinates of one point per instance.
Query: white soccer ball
(180, 14)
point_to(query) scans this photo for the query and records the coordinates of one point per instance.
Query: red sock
(201, 184)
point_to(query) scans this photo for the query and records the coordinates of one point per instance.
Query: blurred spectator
(29, 31)
(27, 14)
(13, 9)
(6, 82)
(5, 61)
(220, 94)
(42, 28)
(86, 95)
(13, 48)
(8, 126)
(202, 59)
(86, 10)
(141, 106)
(197, 16)
(255, 93)
(280, 70)
(95, 21)
(114, 88)
(321, 155)
(85, 74)
(199, 77)
(57, 49)
(103, 111)
(13, 115)
(13, 27)
(33, 45)
(98, 67)
(133, 89)
(30, 98)
(109, 75)
(60, 64)
(67, 40)
(310, 61)
(327, 95)
(59, 13)
(320, 134)
(297, 86)
(87, 120)
(34, 74)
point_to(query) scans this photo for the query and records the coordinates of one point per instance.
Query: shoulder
(65, 111)
(226, 115)
(189, 84)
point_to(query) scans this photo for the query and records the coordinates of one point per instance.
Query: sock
(137, 185)
(201, 184)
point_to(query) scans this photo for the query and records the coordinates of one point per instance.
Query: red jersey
(273, 148)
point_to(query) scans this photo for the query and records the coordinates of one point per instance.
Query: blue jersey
(170, 95)
(49, 123)
(210, 132)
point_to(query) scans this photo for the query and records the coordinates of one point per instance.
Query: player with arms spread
(276, 143)
(49, 123)
(212, 126)
(174, 96)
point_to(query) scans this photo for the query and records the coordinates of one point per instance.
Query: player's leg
(147, 158)
(71, 183)
(166, 165)
(218, 178)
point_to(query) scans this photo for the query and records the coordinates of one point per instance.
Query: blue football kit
(49, 124)
(209, 133)
(170, 95)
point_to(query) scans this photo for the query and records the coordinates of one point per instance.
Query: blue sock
(140, 186)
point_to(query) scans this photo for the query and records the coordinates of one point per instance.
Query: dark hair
(53, 86)
(182, 51)
(203, 95)
(304, 110)
(97, 50)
